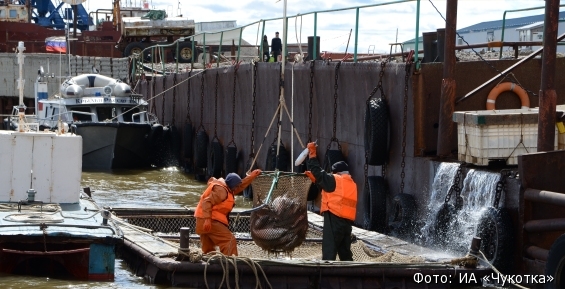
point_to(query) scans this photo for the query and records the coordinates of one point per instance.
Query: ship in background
(119, 31)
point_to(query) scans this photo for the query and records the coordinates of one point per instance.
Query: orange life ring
(507, 86)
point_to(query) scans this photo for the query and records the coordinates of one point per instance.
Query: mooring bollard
(184, 242)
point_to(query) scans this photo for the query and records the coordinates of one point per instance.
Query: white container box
(495, 135)
(49, 163)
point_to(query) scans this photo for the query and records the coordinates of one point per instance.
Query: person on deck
(213, 209)
(339, 204)
(276, 47)
(265, 48)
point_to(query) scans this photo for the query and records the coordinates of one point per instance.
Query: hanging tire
(377, 131)
(175, 146)
(495, 230)
(375, 204)
(231, 159)
(184, 52)
(404, 209)
(187, 140)
(133, 48)
(273, 162)
(155, 145)
(332, 157)
(201, 150)
(248, 191)
(443, 224)
(555, 265)
(216, 161)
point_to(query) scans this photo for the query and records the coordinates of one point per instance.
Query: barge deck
(152, 250)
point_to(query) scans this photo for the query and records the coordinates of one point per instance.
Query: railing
(504, 21)
(263, 21)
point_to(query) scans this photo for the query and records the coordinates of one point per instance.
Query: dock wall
(355, 83)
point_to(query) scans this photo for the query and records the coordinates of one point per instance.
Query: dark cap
(277, 32)
(233, 180)
(340, 167)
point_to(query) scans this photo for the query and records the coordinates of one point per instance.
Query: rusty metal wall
(468, 76)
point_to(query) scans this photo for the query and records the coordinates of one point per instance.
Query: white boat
(47, 226)
(116, 128)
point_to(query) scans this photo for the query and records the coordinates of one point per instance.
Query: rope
(225, 261)
(162, 93)
(484, 258)
(521, 137)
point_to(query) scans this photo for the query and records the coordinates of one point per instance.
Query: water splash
(442, 181)
(477, 192)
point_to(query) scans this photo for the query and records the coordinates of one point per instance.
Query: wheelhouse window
(105, 113)
(81, 116)
(127, 113)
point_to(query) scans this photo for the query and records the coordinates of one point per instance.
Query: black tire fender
(332, 157)
(443, 224)
(231, 159)
(187, 140)
(555, 264)
(216, 161)
(404, 209)
(375, 193)
(133, 47)
(495, 230)
(377, 131)
(201, 150)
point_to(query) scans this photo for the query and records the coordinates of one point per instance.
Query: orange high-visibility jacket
(220, 211)
(342, 202)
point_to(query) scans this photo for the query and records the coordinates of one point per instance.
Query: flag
(56, 44)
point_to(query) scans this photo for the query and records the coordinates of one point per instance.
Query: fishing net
(279, 220)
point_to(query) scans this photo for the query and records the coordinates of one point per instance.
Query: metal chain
(252, 150)
(43, 227)
(383, 170)
(311, 100)
(163, 102)
(455, 186)
(202, 101)
(216, 106)
(233, 106)
(334, 138)
(379, 84)
(500, 188)
(174, 97)
(404, 119)
(188, 81)
(153, 100)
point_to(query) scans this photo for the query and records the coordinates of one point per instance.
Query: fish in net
(279, 219)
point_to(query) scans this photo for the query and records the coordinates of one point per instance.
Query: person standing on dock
(276, 46)
(213, 210)
(339, 205)
(265, 47)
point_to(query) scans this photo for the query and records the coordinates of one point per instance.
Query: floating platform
(151, 249)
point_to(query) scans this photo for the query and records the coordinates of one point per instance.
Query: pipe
(356, 36)
(417, 36)
(447, 100)
(537, 253)
(545, 197)
(548, 95)
(545, 225)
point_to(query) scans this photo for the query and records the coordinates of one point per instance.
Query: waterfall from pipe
(478, 193)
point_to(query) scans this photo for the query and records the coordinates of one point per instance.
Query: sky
(378, 26)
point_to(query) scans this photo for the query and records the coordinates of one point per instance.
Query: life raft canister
(507, 86)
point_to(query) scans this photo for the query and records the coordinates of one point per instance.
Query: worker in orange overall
(339, 205)
(212, 212)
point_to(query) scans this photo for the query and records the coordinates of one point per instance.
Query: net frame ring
(507, 86)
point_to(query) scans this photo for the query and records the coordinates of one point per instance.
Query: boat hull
(114, 145)
(62, 260)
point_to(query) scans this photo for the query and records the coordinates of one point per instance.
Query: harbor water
(168, 187)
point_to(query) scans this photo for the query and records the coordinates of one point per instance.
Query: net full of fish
(281, 224)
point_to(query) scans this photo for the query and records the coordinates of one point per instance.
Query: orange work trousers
(219, 236)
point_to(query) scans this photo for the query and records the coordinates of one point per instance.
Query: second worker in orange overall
(212, 212)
